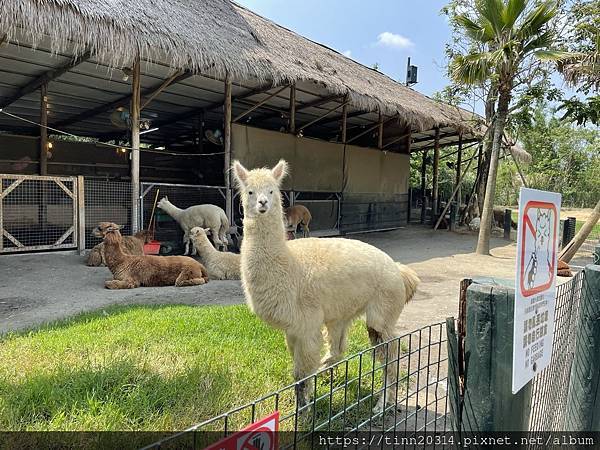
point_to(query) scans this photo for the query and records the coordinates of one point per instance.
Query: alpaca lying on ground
(299, 286)
(132, 245)
(298, 215)
(206, 216)
(220, 265)
(135, 271)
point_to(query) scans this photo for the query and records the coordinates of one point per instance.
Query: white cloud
(347, 54)
(394, 40)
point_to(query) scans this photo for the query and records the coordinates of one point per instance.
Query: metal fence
(344, 396)
(372, 212)
(324, 208)
(106, 201)
(550, 387)
(37, 213)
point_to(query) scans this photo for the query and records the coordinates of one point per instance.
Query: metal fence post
(583, 401)
(488, 403)
(597, 254)
(568, 230)
(80, 215)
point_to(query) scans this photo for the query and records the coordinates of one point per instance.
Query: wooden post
(345, 121)
(583, 400)
(380, 132)
(43, 129)
(488, 402)
(135, 145)
(436, 164)
(227, 148)
(423, 186)
(458, 167)
(293, 108)
(80, 215)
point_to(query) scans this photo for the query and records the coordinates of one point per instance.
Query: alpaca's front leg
(186, 242)
(306, 354)
(120, 284)
(336, 339)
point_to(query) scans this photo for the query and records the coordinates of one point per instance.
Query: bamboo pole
(571, 248)
(227, 106)
(257, 105)
(439, 220)
(436, 164)
(458, 167)
(43, 129)
(293, 108)
(423, 185)
(135, 145)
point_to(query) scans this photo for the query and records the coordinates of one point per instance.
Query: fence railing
(344, 397)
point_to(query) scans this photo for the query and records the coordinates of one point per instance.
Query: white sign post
(537, 260)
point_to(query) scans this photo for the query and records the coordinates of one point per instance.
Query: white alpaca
(301, 285)
(220, 265)
(207, 216)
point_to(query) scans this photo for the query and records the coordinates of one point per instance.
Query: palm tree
(506, 35)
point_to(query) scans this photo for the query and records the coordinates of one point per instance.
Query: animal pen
(122, 112)
(441, 396)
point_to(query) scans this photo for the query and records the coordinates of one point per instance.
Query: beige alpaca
(220, 265)
(300, 286)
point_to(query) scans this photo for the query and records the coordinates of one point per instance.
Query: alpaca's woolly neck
(203, 245)
(113, 253)
(171, 209)
(267, 231)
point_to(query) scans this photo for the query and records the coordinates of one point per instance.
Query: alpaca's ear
(240, 172)
(280, 170)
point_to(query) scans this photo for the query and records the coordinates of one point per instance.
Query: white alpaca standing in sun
(301, 285)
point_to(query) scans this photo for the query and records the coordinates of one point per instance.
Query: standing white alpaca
(220, 265)
(301, 285)
(207, 216)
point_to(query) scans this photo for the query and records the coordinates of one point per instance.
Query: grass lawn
(144, 368)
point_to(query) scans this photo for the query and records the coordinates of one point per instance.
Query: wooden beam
(80, 215)
(313, 104)
(44, 78)
(292, 129)
(177, 76)
(436, 164)
(44, 129)
(212, 106)
(149, 93)
(135, 145)
(397, 139)
(380, 131)
(378, 124)
(257, 105)
(433, 137)
(227, 107)
(458, 167)
(345, 121)
(329, 111)
(423, 187)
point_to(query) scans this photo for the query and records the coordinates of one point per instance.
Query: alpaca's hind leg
(120, 284)
(336, 338)
(186, 278)
(186, 242)
(306, 350)
(388, 355)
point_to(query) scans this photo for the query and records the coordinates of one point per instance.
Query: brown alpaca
(298, 215)
(132, 245)
(131, 271)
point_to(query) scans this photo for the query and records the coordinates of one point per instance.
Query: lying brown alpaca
(132, 245)
(131, 271)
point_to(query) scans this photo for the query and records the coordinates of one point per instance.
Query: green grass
(153, 368)
(578, 224)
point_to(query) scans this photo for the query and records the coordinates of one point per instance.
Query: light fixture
(160, 148)
(121, 150)
(50, 145)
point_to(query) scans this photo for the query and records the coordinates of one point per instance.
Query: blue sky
(382, 31)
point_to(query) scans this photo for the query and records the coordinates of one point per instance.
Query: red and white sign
(537, 254)
(261, 435)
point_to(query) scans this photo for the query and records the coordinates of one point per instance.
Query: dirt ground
(39, 288)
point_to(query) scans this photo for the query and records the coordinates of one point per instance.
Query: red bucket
(152, 248)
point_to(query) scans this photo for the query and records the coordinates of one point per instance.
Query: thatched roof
(216, 36)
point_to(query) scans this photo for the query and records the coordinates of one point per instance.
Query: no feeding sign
(535, 284)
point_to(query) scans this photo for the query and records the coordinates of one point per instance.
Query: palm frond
(534, 21)
(472, 29)
(552, 55)
(493, 11)
(472, 68)
(513, 11)
(541, 41)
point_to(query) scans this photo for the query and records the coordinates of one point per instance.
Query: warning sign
(261, 435)
(537, 250)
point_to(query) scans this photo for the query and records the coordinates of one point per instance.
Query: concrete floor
(40, 288)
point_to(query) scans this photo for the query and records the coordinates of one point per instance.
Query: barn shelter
(106, 105)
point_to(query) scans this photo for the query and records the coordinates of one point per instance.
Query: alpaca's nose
(263, 202)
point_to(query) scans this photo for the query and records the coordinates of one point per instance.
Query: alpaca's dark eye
(250, 192)
(271, 192)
